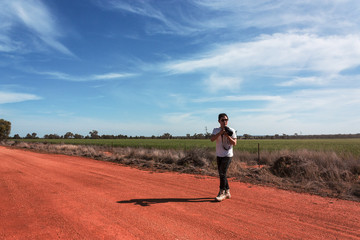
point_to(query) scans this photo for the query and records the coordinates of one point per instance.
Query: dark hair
(221, 115)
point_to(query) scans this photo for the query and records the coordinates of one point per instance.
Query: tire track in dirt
(44, 196)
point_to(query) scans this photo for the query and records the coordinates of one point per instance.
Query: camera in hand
(228, 131)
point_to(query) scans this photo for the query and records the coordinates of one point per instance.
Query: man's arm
(232, 140)
(215, 136)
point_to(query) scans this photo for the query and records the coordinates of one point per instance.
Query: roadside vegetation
(339, 146)
(5, 128)
(326, 167)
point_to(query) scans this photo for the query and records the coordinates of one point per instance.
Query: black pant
(223, 165)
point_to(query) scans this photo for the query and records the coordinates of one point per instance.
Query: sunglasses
(224, 120)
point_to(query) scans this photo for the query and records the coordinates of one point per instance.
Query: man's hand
(232, 141)
(214, 137)
(222, 132)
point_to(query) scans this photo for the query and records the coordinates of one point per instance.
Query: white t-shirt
(223, 147)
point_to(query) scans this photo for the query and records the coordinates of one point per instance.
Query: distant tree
(78, 136)
(68, 135)
(5, 129)
(31, 136)
(198, 136)
(107, 136)
(16, 136)
(55, 136)
(94, 134)
(247, 136)
(120, 136)
(51, 136)
(166, 136)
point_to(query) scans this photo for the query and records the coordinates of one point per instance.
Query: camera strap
(222, 141)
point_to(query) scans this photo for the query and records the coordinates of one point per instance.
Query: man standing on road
(225, 140)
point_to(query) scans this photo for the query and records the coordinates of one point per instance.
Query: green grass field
(340, 146)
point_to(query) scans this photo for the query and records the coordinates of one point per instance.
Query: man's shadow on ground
(150, 201)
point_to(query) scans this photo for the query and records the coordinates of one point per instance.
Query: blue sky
(151, 67)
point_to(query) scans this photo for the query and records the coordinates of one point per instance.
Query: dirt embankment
(45, 196)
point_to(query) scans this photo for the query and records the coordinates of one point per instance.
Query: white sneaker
(227, 194)
(221, 196)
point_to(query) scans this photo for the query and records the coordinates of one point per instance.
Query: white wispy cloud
(38, 21)
(201, 16)
(340, 102)
(289, 54)
(321, 16)
(7, 45)
(167, 17)
(144, 8)
(302, 37)
(96, 77)
(301, 81)
(110, 76)
(12, 97)
(216, 82)
(233, 98)
(285, 52)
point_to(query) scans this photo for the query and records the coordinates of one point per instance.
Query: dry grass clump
(67, 149)
(200, 161)
(322, 173)
(190, 161)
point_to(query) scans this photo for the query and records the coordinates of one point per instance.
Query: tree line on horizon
(94, 134)
(5, 129)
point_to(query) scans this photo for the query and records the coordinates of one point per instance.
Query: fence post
(259, 154)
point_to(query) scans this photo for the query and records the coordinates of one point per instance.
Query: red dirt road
(45, 196)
